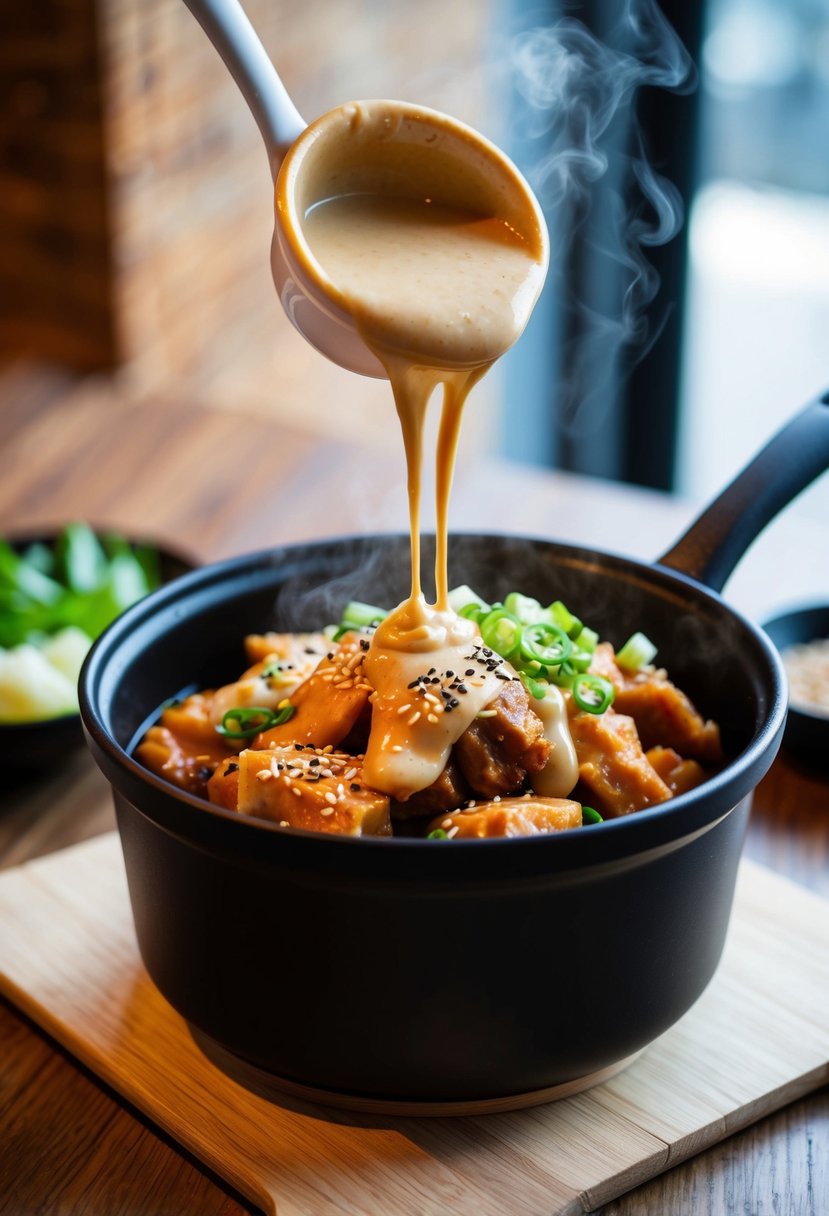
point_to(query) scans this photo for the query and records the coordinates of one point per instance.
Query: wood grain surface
(68, 958)
(95, 449)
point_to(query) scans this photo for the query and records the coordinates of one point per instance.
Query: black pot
(419, 971)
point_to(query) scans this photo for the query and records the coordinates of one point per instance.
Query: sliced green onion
(579, 660)
(536, 688)
(472, 612)
(526, 609)
(41, 557)
(587, 640)
(636, 653)
(365, 615)
(463, 597)
(588, 815)
(561, 615)
(16, 575)
(438, 834)
(501, 632)
(81, 558)
(270, 669)
(593, 694)
(357, 616)
(545, 643)
(251, 720)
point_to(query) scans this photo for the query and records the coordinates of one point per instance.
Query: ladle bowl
(379, 147)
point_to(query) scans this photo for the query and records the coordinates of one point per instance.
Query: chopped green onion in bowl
(637, 652)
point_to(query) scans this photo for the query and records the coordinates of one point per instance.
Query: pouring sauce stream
(438, 292)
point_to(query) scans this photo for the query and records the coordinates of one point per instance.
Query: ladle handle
(228, 28)
(789, 462)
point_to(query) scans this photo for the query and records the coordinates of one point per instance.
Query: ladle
(368, 146)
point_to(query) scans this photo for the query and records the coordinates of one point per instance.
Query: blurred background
(681, 153)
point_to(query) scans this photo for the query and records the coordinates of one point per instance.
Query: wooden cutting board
(757, 1039)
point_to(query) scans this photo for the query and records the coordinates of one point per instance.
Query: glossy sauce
(437, 293)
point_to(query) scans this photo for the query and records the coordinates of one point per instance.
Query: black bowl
(27, 745)
(419, 971)
(807, 734)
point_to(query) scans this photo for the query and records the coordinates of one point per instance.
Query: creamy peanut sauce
(438, 292)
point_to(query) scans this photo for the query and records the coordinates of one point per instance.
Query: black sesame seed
(204, 773)
(462, 688)
(231, 768)
(354, 786)
(470, 671)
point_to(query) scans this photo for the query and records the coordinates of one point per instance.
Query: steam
(576, 90)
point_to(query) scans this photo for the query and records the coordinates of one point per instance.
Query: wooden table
(214, 483)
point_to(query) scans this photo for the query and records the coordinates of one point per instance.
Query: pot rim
(618, 837)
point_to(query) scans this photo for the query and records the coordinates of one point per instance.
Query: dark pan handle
(789, 462)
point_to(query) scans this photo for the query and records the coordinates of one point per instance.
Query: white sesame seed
(283, 823)
(352, 772)
(405, 708)
(327, 810)
(446, 823)
(452, 832)
(397, 748)
(431, 718)
(264, 774)
(414, 718)
(332, 798)
(297, 793)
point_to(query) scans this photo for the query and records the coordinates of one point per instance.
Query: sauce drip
(438, 293)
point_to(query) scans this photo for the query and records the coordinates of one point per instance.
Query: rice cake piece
(316, 789)
(526, 816)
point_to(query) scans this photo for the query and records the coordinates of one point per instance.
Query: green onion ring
(501, 631)
(545, 643)
(438, 834)
(588, 816)
(593, 694)
(251, 720)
